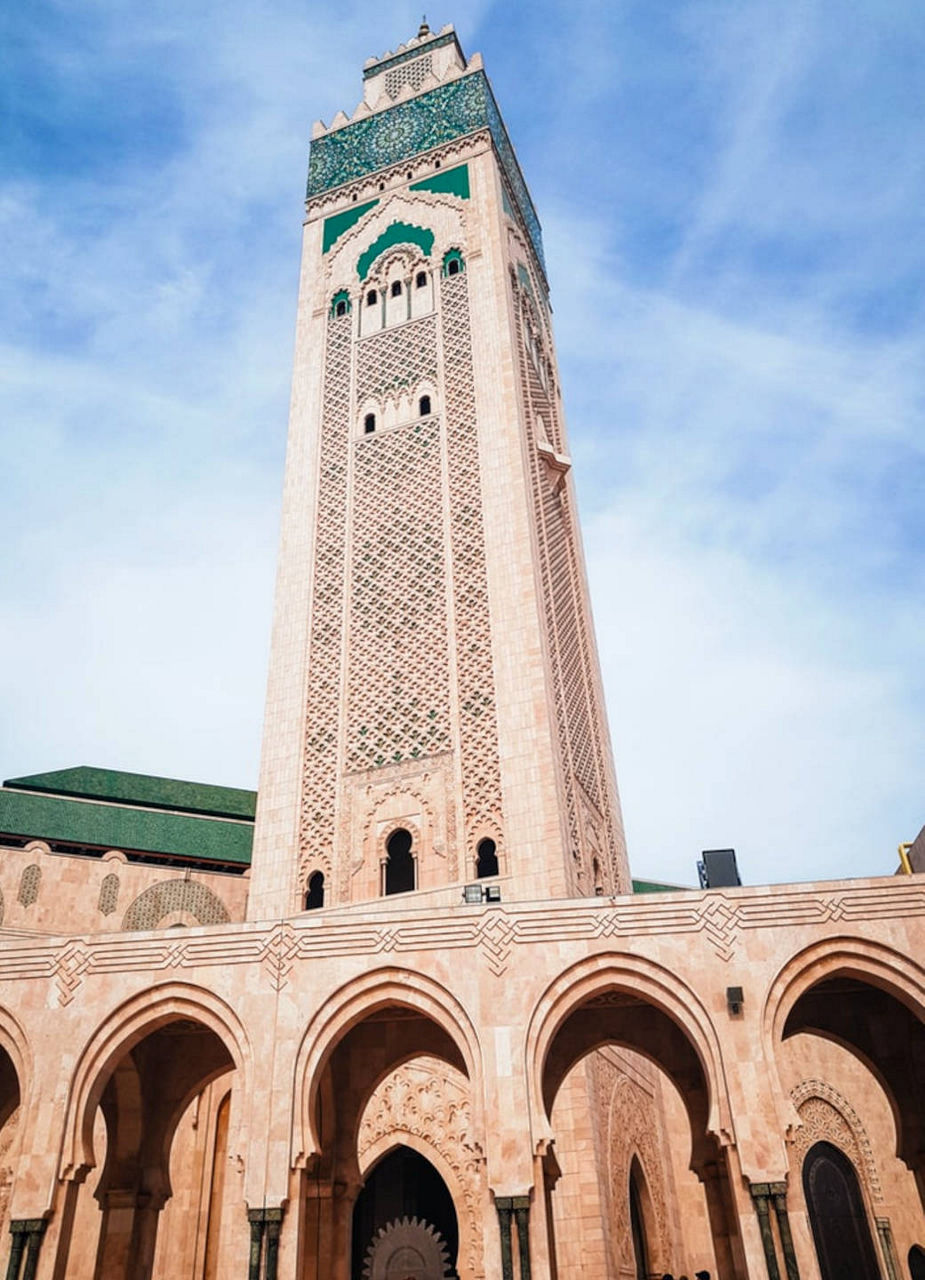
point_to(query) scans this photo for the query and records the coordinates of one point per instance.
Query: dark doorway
(487, 860)
(315, 896)
(917, 1262)
(637, 1225)
(837, 1215)
(403, 1185)
(399, 867)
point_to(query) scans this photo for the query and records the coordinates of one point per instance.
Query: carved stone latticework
(477, 717)
(630, 1129)
(429, 1102)
(322, 703)
(827, 1116)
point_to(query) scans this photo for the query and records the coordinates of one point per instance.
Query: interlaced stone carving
(478, 730)
(109, 894)
(160, 900)
(827, 1116)
(579, 716)
(428, 1099)
(29, 883)
(324, 661)
(396, 359)
(398, 702)
(413, 73)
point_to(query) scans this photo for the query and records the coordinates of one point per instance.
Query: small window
(399, 866)
(372, 298)
(340, 307)
(369, 423)
(424, 406)
(436, 164)
(315, 896)
(452, 267)
(420, 280)
(486, 863)
(396, 288)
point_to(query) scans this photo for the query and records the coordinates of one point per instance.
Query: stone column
(779, 1194)
(265, 1227)
(761, 1194)
(517, 1207)
(885, 1234)
(27, 1236)
(503, 1205)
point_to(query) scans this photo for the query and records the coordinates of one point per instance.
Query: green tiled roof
(140, 789)
(656, 886)
(59, 819)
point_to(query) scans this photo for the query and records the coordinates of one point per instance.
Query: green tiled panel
(395, 233)
(454, 182)
(338, 223)
(430, 120)
(139, 788)
(52, 818)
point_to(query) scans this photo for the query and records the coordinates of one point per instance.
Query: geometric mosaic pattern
(109, 894)
(399, 672)
(579, 720)
(397, 359)
(433, 119)
(29, 884)
(322, 705)
(160, 900)
(413, 73)
(477, 716)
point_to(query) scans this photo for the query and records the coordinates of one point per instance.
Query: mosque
(403, 1014)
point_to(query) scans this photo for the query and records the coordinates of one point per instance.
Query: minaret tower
(434, 711)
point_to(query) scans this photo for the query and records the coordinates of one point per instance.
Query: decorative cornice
(493, 931)
(426, 46)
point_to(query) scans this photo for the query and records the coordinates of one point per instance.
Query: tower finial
(423, 29)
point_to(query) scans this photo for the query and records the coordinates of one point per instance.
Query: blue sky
(732, 200)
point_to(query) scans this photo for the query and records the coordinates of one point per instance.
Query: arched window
(420, 280)
(917, 1262)
(340, 307)
(399, 866)
(315, 896)
(486, 862)
(372, 298)
(369, 423)
(424, 406)
(841, 1232)
(340, 303)
(453, 263)
(396, 288)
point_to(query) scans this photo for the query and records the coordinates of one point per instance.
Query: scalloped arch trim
(395, 233)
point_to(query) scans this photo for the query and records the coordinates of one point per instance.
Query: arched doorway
(841, 1232)
(404, 1222)
(149, 1097)
(399, 866)
(606, 1072)
(637, 1220)
(917, 1262)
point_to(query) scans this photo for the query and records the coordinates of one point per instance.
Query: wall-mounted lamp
(735, 998)
(493, 893)
(472, 893)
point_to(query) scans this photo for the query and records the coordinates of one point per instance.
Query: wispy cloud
(732, 207)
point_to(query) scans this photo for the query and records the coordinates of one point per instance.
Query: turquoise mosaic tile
(431, 120)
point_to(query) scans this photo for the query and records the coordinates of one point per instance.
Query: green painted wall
(453, 181)
(396, 233)
(338, 223)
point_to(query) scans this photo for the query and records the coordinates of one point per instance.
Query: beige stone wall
(352, 1030)
(47, 892)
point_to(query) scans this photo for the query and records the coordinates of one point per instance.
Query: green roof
(59, 819)
(140, 789)
(656, 886)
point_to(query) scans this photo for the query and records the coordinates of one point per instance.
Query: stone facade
(340, 1065)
